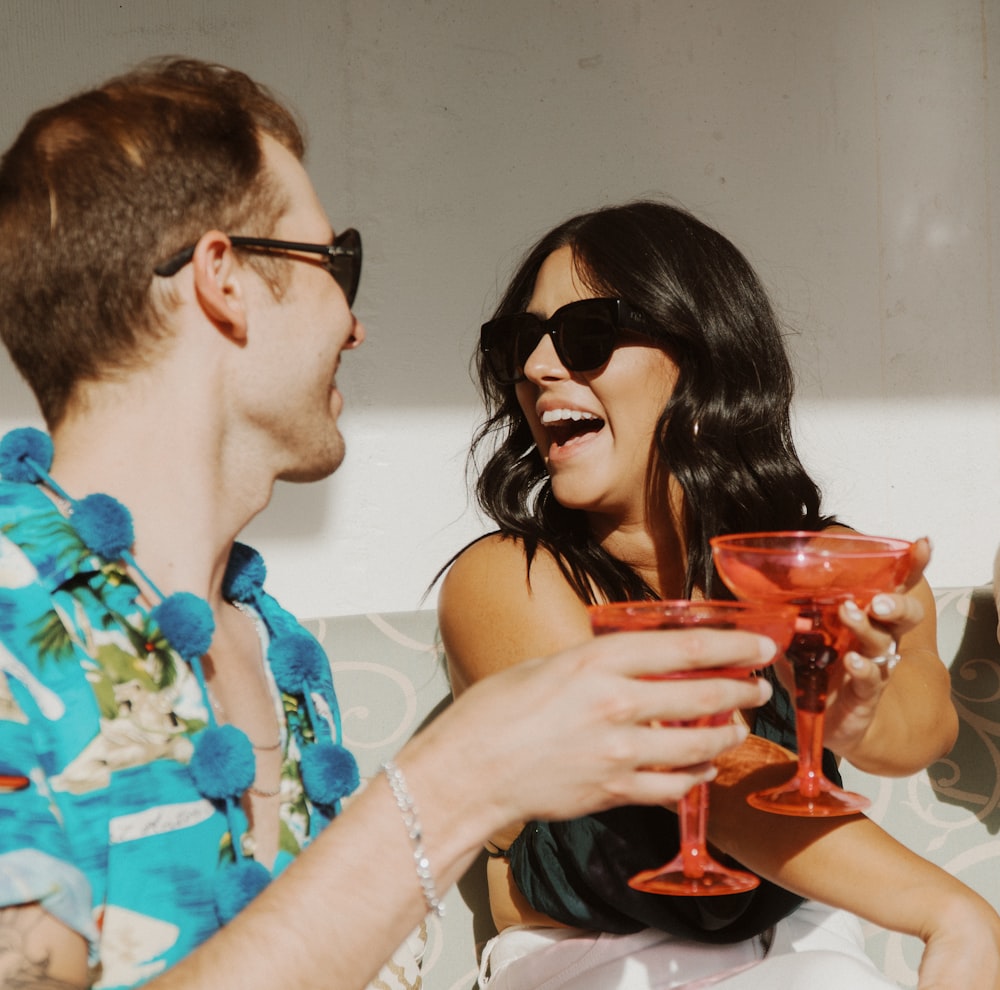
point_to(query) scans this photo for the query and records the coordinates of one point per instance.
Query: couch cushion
(949, 813)
(390, 679)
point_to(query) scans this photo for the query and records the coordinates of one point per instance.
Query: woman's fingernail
(854, 662)
(883, 605)
(852, 610)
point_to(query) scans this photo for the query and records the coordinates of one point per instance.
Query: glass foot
(820, 799)
(713, 879)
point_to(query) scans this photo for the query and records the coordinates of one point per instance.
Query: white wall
(851, 148)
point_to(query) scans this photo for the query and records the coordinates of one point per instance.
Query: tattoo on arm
(29, 942)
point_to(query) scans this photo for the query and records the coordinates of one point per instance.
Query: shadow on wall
(17, 403)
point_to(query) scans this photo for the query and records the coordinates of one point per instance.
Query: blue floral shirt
(111, 834)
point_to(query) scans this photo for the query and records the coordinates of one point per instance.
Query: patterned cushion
(950, 812)
(390, 680)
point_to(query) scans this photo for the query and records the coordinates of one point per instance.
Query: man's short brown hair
(95, 191)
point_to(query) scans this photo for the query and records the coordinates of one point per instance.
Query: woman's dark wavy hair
(725, 434)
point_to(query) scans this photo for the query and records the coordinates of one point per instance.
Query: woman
(638, 392)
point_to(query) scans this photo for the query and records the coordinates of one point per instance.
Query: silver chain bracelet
(404, 801)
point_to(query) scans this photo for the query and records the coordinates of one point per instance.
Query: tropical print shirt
(97, 711)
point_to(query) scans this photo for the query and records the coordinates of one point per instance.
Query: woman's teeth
(551, 416)
(568, 425)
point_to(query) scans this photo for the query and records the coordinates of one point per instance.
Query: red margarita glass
(816, 573)
(694, 870)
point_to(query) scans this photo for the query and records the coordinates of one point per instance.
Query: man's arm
(552, 738)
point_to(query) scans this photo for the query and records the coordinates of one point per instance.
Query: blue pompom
(296, 660)
(329, 773)
(244, 575)
(23, 452)
(187, 622)
(104, 525)
(223, 764)
(237, 885)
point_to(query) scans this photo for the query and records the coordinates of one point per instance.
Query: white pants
(815, 948)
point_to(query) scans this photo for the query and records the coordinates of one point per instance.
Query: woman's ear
(217, 284)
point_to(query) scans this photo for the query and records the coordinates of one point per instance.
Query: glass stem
(811, 655)
(809, 733)
(692, 810)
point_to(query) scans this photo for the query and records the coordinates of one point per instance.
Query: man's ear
(217, 284)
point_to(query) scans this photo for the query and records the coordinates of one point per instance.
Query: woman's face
(595, 430)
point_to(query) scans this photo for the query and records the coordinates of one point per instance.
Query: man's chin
(301, 474)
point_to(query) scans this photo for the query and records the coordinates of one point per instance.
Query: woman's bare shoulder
(500, 564)
(495, 609)
(491, 547)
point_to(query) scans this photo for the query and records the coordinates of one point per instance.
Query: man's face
(299, 336)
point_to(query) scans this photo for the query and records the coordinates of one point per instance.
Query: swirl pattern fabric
(390, 680)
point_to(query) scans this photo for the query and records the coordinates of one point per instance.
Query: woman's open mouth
(566, 426)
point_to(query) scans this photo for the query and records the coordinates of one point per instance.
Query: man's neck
(172, 466)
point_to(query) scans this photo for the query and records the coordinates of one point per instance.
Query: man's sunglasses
(584, 334)
(342, 258)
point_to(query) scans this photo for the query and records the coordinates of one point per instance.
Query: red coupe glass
(694, 870)
(815, 572)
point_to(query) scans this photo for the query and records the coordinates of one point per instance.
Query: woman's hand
(880, 635)
(866, 671)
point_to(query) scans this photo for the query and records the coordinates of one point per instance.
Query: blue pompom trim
(25, 454)
(237, 886)
(223, 764)
(187, 622)
(329, 773)
(296, 659)
(104, 525)
(245, 574)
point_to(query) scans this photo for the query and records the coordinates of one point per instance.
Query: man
(168, 735)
